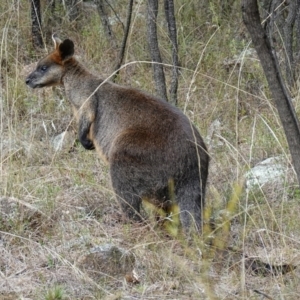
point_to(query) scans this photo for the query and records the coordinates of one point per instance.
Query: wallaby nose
(27, 81)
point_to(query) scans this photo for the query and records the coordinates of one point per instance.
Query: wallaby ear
(56, 41)
(66, 49)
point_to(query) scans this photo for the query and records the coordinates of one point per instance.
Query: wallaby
(153, 151)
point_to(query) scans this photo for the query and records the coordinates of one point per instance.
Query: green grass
(56, 293)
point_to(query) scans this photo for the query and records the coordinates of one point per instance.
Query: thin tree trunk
(297, 35)
(265, 10)
(170, 17)
(36, 24)
(105, 23)
(273, 19)
(72, 9)
(158, 71)
(271, 69)
(288, 39)
(124, 42)
(52, 4)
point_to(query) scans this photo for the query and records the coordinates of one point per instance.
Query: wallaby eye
(44, 68)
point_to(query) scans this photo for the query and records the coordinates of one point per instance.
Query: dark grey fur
(147, 142)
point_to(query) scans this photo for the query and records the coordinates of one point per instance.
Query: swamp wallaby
(153, 151)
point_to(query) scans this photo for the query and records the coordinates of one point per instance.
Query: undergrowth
(56, 205)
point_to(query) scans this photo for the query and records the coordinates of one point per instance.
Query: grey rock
(63, 141)
(272, 169)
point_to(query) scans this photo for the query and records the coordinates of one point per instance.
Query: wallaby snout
(32, 80)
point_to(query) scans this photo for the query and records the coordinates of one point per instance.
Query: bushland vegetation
(57, 204)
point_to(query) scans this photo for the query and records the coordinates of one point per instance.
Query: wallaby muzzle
(30, 81)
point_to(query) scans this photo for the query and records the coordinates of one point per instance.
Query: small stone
(63, 141)
(107, 259)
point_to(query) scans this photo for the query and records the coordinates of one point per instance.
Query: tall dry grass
(56, 205)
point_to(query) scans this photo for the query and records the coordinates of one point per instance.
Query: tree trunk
(36, 24)
(273, 19)
(72, 9)
(158, 71)
(297, 37)
(52, 5)
(288, 39)
(271, 69)
(105, 23)
(170, 17)
(124, 42)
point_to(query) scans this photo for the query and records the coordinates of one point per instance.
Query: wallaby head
(50, 70)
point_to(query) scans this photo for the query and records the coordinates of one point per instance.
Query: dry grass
(55, 206)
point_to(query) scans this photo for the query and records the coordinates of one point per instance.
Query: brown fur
(146, 141)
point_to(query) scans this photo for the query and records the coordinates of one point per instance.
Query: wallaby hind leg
(129, 201)
(190, 205)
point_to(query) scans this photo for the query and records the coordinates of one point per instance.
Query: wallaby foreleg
(85, 124)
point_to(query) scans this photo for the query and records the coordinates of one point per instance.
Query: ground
(57, 205)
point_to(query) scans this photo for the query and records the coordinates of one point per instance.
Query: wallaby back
(153, 150)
